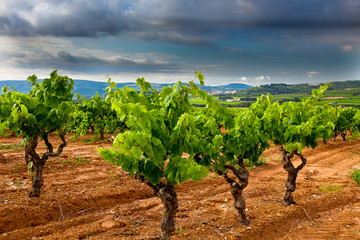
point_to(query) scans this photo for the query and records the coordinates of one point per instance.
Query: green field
(346, 97)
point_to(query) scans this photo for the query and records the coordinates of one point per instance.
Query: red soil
(84, 197)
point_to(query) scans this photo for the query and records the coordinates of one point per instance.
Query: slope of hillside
(303, 88)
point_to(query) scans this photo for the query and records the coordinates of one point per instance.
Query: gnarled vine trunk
(236, 188)
(51, 148)
(290, 184)
(335, 134)
(38, 180)
(169, 200)
(343, 135)
(48, 144)
(39, 162)
(102, 135)
(92, 127)
(167, 194)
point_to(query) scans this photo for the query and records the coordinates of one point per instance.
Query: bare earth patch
(332, 98)
(87, 198)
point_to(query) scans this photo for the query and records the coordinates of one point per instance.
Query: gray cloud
(179, 21)
(67, 61)
(63, 18)
(14, 25)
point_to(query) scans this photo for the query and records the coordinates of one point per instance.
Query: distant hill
(20, 86)
(281, 88)
(344, 85)
(89, 88)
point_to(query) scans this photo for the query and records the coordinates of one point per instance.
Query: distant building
(215, 92)
(234, 100)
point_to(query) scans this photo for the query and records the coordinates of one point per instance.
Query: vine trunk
(167, 194)
(236, 189)
(290, 184)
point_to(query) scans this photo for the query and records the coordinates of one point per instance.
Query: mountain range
(89, 88)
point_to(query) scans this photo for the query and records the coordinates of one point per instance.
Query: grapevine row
(164, 141)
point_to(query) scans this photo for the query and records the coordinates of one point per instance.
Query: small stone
(108, 224)
(226, 200)
(248, 228)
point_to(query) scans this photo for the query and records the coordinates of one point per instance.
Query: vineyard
(270, 171)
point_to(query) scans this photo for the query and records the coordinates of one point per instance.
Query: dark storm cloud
(15, 25)
(68, 61)
(179, 21)
(64, 18)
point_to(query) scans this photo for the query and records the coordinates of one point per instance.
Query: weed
(355, 174)
(65, 162)
(20, 166)
(112, 174)
(181, 230)
(273, 159)
(273, 189)
(80, 161)
(355, 152)
(12, 147)
(89, 140)
(251, 164)
(327, 188)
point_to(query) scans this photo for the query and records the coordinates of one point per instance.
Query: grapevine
(162, 128)
(35, 115)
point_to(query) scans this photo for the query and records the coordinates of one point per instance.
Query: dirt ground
(332, 98)
(84, 197)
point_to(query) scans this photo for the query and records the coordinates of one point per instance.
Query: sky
(254, 42)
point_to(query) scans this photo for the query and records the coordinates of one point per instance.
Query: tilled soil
(84, 197)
